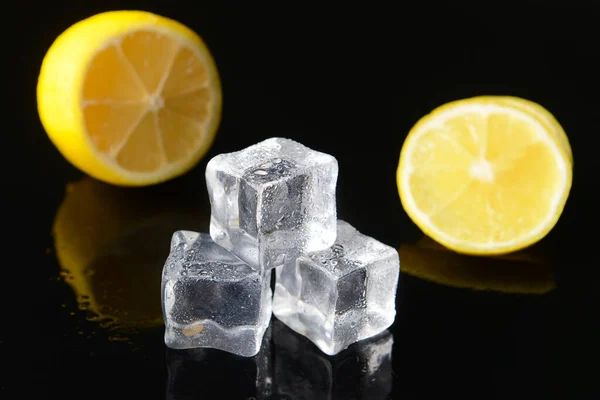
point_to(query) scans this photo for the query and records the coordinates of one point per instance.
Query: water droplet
(91, 316)
(277, 160)
(117, 338)
(260, 172)
(221, 236)
(267, 165)
(107, 323)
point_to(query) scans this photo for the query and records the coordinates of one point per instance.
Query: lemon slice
(484, 175)
(129, 97)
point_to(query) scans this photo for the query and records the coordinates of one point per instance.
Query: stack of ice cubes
(273, 207)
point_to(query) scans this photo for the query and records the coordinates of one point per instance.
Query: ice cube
(340, 295)
(212, 298)
(301, 371)
(272, 201)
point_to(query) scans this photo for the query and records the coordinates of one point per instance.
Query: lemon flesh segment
(535, 110)
(139, 97)
(156, 83)
(483, 178)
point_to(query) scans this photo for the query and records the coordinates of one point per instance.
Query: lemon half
(129, 97)
(486, 175)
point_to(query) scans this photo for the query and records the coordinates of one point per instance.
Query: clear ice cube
(212, 298)
(302, 371)
(272, 201)
(340, 295)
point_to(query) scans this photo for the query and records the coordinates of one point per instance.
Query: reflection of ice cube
(272, 201)
(213, 299)
(340, 295)
(301, 371)
(264, 368)
(199, 373)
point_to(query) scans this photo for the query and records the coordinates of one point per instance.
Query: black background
(349, 80)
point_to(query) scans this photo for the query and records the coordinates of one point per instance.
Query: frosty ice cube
(301, 371)
(340, 295)
(272, 201)
(213, 299)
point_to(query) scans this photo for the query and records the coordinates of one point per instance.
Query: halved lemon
(129, 97)
(487, 175)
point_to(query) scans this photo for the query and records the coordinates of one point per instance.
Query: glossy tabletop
(349, 81)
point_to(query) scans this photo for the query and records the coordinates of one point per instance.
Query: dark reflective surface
(111, 245)
(193, 374)
(493, 316)
(527, 271)
(301, 371)
(83, 265)
(288, 367)
(498, 320)
(464, 324)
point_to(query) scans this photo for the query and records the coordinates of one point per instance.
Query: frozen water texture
(213, 299)
(340, 295)
(272, 201)
(302, 371)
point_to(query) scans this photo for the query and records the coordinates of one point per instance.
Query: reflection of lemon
(130, 97)
(486, 175)
(521, 272)
(112, 243)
